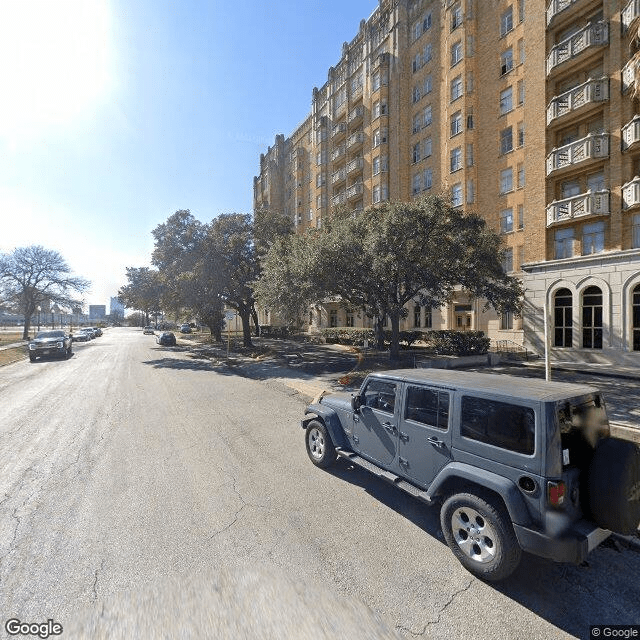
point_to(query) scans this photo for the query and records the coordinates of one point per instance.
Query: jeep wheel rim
(316, 443)
(475, 536)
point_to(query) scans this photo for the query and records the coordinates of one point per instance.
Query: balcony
(380, 60)
(354, 139)
(355, 114)
(631, 193)
(629, 14)
(339, 176)
(594, 203)
(631, 133)
(630, 73)
(592, 147)
(355, 165)
(591, 91)
(556, 6)
(339, 198)
(357, 92)
(339, 129)
(355, 190)
(338, 152)
(593, 35)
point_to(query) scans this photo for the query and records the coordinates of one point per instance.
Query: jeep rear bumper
(574, 546)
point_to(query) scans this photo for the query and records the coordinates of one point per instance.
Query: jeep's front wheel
(481, 536)
(320, 447)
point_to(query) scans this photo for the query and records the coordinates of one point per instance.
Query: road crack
(94, 587)
(442, 609)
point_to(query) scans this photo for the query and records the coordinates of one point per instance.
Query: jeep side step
(392, 478)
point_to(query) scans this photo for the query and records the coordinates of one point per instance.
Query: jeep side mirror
(356, 402)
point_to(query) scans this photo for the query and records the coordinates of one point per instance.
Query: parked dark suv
(515, 463)
(50, 343)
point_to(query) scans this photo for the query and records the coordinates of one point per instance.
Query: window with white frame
(427, 85)
(470, 154)
(457, 88)
(456, 123)
(520, 175)
(593, 238)
(375, 166)
(471, 192)
(506, 100)
(427, 116)
(417, 30)
(520, 92)
(506, 140)
(427, 176)
(379, 136)
(521, 51)
(415, 187)
(456, 16)
(427, 147)
(417, 123)
(375, 81)
(456, 53)
(635, 231)
(415, 94)
(520, 216)
(506, 220)
(456, 159)
(321, 178)
(427, 53)
(506, 321)
(521, 134)
(375, 194)
(416, 63)
(321, 157)
(415, 152)
(506, 61)
(506, 21)
(563, 242)
(456, 195)
(507, 260)
(379, 108)
(506, 180)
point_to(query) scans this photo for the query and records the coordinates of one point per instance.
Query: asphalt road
(146, 493)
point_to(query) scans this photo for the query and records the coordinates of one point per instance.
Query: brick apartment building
(524, 113)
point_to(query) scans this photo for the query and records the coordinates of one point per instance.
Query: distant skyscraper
(116, 307)
(97, 311)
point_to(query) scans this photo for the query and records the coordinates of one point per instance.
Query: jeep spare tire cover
(614, 485)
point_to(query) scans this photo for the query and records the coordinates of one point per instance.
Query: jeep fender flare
(330, 420)
(505, 488)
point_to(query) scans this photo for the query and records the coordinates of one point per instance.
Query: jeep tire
(479, 533)
(320, 447)
(32, 358)
(614, 486)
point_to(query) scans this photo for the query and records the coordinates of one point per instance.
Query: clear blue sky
(117, 113)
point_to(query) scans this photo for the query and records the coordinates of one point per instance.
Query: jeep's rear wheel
(320, 447)
(480, 535)
(614, 485)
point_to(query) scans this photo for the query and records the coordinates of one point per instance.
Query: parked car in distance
(185, 328)
(166, 338)
(80, 336)
(148, 330)
(50, 343)
(89, 331)
(97, 331)
(515, 463)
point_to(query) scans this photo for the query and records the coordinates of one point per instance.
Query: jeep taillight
(556, 492)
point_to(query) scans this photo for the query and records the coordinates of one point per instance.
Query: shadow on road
(604, 590)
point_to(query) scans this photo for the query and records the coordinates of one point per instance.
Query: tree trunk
(245, 316)
(394, 348)
(379, 330)
(256, 321)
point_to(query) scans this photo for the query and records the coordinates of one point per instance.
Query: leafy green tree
(386, 256)
(34, 276)
(143, 292)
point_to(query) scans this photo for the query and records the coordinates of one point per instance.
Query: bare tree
(34, 276)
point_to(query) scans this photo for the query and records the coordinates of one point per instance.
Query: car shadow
(603, 590)
(195, 364)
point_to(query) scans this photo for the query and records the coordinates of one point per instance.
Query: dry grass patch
(9, 356)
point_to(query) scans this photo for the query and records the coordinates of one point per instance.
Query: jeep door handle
(389, 427)
(435, 442)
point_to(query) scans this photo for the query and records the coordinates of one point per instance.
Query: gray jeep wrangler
(515, 463)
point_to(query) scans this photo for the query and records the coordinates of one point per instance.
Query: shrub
(458, 343)
(348, 335)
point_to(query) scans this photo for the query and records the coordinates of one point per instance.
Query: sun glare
(56, 62)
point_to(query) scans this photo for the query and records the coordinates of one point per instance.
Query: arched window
(563, 318)
(636, 317)
(592, 318)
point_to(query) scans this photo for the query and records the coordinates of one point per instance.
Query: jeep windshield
(50, 334)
